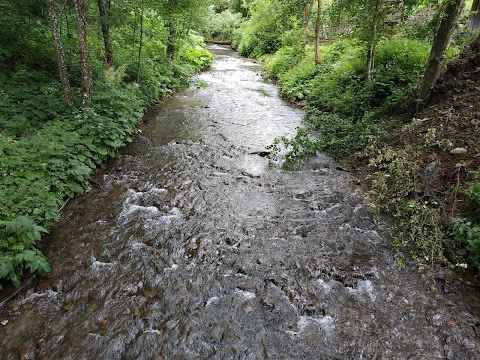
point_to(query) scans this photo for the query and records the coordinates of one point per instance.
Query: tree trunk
(57, 43)
(371, 53)
(439, 48)
(307, 10)
(476, 43)
(317, 32)
(106, 31)
(474, 18)
(372, 41)
(85, 70)
(172, 34)
(140, 45)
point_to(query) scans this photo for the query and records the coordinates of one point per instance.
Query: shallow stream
(190, 246)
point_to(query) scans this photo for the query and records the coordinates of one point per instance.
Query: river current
(190, 245)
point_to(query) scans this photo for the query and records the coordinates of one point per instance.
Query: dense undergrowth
(48, 152)
(346, 113)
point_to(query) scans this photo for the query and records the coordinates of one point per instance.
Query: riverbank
(49, 157)
(438, 179)
(361, 124)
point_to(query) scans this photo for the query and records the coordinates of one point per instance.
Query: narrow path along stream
(190, 246)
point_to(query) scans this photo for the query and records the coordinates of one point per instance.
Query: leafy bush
(249, 41)
(262, 33)
(220, 26)
(279, 63)
(469, 233)
(28, 99)
(473, 195)
(296, 81)
(193, 52)
(343, 88)
(341, 136)
(343, 107)
(301, 147)
(395, 189)
(17, 251)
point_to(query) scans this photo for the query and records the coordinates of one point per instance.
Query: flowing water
(190, 246)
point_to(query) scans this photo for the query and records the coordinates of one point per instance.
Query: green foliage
(342, 88)
(253, 42)
(395, 188)
(28, 100)
(17, 251)
(263, 33)
(284, 59)
(473, 195)
(296, 83)
(345, 109)
(221, 25)
(194, 53)
(301, 147)
(47, 151)
(341, 136)
(467, 232)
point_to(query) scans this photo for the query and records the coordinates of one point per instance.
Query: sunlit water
(190, 246)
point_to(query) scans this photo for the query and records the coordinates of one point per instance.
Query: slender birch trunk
(317, 32)
(57, 43)
(140, 45)
(85, 70)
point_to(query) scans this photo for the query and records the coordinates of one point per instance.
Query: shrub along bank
(48, 152)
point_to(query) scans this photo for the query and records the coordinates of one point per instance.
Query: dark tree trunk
(474, 18)
(439, 48)
(317, 31)
(57, 43)
(476, 43)
(172, 33)
(85, 70)
(104, 18)
(140, 45)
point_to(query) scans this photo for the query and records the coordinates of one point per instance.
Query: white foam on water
(326, 286)
(212, 300)
(137, 245)
(325, 323)
(293, 334)
(99, 264)
(245, 294)
(364, 287)
(138, 208)
(173, 214)
(172, 268)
